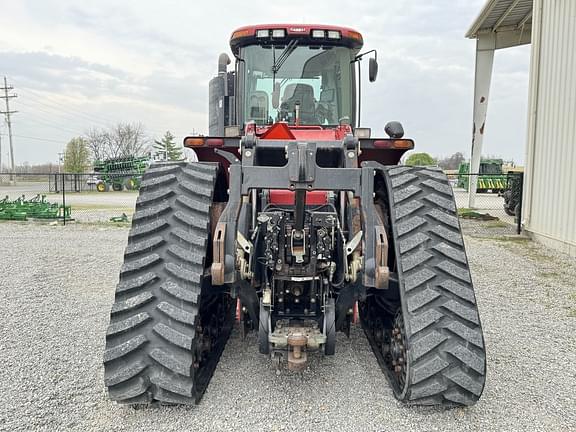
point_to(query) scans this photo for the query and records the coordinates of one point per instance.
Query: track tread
(150, 344)
(132, 303)
(447, 362)
(143, 246)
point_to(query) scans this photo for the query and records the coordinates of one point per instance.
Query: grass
(101, 207)
(466, 213)
(90, 193)
(107, 224)
(496, 224)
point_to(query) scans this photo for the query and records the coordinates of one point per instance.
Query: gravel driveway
(57, 285)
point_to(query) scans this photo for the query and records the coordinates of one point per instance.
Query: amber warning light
(201, 141)
(394, 143)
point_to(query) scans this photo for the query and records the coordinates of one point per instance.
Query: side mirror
(372, 69)
(276, 96)
(394, 129)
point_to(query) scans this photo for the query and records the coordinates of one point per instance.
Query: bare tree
(98, 141)
(120, 141)
(129, 139)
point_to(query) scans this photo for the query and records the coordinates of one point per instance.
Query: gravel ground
(57, 286)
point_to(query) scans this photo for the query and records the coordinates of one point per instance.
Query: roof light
(262, 33)
(354, 35)
(333, 34)
(278, 33)
(318, 34)
(242, 33)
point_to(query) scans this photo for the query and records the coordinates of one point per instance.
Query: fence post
(64, 198)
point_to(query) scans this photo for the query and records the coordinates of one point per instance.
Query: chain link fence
(94, 198)
(497, 204)
(83, 198)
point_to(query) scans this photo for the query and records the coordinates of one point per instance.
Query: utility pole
(7, 113)
(0, 153)
(60, 161)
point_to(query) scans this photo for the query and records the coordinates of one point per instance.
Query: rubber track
(149, 341)
(446, 357)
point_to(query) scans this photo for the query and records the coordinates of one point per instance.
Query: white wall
(550, 186)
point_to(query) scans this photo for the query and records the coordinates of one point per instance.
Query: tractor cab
(302, 75)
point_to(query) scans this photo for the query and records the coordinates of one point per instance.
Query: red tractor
(295, 221)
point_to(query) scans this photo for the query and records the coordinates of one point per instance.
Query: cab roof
(248, 35)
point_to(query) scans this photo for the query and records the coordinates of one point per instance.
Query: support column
(485, 46)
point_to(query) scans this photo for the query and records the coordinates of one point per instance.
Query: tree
(420, 159)
(122, 140)
(451, 163)
(167, 148)
(76, 156)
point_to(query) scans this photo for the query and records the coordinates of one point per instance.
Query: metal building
(549, 202)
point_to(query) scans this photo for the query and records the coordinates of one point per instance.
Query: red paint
(382, 144)
(283, 131)
(286, 197)
(214, 142)
(278, 131)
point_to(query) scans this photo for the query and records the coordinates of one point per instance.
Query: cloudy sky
(76, 65)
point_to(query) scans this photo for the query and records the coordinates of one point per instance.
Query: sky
(79, 65)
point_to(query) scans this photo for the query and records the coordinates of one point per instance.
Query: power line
(75, 115)
(60, 108)
(7, 113)
(49, 102)
(38, 138)
(47, 122)
(51, 106)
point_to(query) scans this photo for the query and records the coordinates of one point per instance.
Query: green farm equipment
(120, 173)
(490, 176)
(37, 208)
(513, 194)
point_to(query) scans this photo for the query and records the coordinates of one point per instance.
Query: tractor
(294, 224)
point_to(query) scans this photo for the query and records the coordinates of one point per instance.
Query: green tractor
(120, 173)
(490, 176)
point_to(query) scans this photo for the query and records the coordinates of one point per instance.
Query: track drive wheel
(168, 325)
(430, 345)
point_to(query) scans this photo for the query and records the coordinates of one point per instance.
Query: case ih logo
(297, 29)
